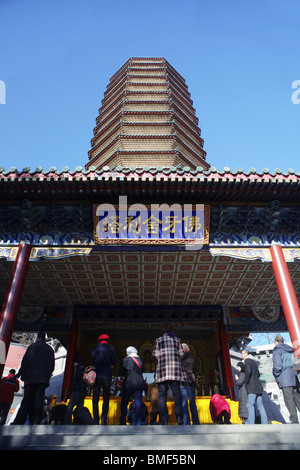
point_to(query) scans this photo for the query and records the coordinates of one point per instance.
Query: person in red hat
(103, 358)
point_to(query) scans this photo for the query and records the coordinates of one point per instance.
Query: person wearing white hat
(133, 385)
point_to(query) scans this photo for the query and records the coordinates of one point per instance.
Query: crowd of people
(251, 390)
(175, 372)
(175, 369)
(36, 370)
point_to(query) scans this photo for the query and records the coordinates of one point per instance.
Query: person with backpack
(133, 385)
(286, 377)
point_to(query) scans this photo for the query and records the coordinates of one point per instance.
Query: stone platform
(127, 438)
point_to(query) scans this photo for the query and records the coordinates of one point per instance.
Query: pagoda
(147, 119)
(59, 275)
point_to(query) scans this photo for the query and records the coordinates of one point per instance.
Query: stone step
(222, 437)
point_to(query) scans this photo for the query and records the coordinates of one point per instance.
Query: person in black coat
(133, 385)
(103, 358)
(36, 369)
(243, 396)
(254, 389)
(78, 390)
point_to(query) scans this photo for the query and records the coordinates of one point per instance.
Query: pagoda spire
(147, 119)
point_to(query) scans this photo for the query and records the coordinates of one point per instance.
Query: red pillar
(12, 300)
(287, 294)
(68, 375)
(226, 363)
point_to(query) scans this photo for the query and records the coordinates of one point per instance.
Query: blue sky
(239, 59)
(259, 339)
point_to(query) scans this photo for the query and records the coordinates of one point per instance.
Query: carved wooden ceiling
(149, 278)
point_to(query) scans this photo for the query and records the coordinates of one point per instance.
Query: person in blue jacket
(286, 377)
(103, 358)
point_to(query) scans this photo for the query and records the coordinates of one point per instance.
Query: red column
(226, 363)
(68, 375)
(12, 300)
(287, 294)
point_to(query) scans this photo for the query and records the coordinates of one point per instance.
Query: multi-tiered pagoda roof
(147, 119)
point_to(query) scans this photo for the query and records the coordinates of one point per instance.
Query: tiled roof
(199, 172)
(162, 183)
(127, 99)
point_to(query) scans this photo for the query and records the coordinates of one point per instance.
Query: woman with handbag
(133, 385)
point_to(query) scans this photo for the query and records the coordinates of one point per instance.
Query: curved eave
(150, 183)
